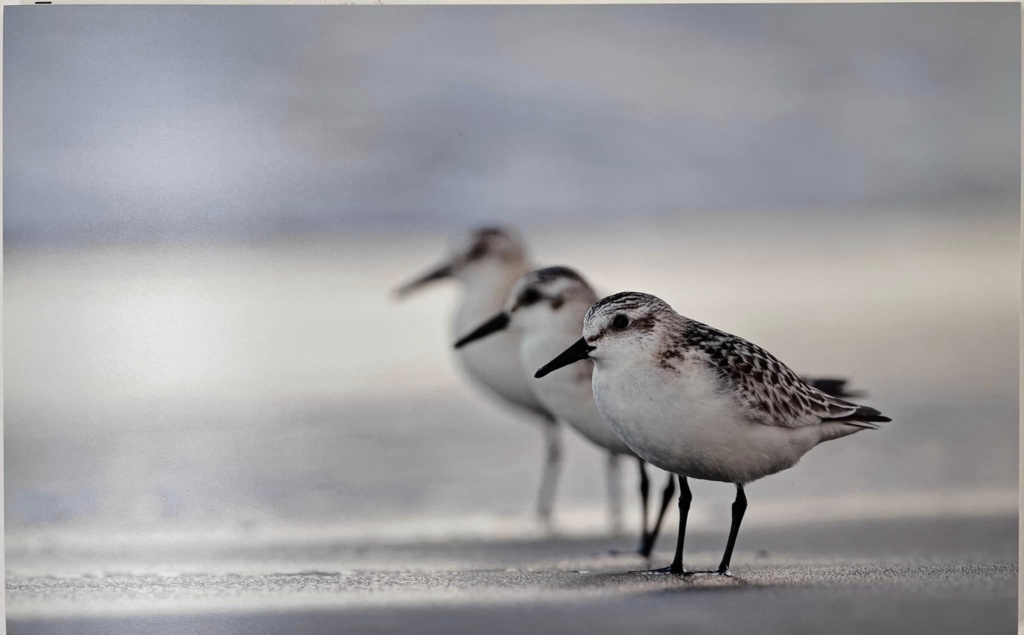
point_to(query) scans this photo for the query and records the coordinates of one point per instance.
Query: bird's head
(548, 299)
(486, 254)
(624, 329)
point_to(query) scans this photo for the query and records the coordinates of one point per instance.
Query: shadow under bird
(546, 308)
(702, 403)
(487, 264)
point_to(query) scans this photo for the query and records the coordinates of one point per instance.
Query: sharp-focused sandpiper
(546, 308)
(487, 264)
(701, 403)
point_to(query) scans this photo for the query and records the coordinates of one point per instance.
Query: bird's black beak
(497, 323)
(440, 273)
(578, 351)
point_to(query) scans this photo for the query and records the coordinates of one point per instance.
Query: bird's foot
(645, 548)
(546, 524)
(618, 552)
(671, 570)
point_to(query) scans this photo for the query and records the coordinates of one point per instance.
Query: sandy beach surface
(881, 576)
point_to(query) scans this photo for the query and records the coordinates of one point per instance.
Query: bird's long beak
(578, 351)
(497, 323)
(440, 273)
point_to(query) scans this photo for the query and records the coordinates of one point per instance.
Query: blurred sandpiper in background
(206, 210)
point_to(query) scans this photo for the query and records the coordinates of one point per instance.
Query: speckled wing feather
(774, 394)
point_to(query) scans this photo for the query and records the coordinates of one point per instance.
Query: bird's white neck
(485, 290)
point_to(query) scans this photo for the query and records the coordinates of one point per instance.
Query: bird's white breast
(567, 392)
(493, 362)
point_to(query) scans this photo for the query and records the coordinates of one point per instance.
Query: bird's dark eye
(620, 322)
(478, 251)
(530, 296)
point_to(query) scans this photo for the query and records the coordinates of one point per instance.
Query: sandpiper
(487, 264)
(546, 308)
(701, 403)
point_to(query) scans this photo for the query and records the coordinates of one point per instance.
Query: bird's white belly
(691, 428)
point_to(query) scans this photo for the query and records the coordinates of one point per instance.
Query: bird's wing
(772, 392)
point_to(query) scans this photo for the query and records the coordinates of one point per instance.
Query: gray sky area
(126, 123)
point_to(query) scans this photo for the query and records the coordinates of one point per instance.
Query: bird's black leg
(738, 507)
(685, 498)
(645, 490)
(666, 498)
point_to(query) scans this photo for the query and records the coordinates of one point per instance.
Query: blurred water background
(206, 210)
(183, 390)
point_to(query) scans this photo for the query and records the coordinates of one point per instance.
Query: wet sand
(881, 576)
